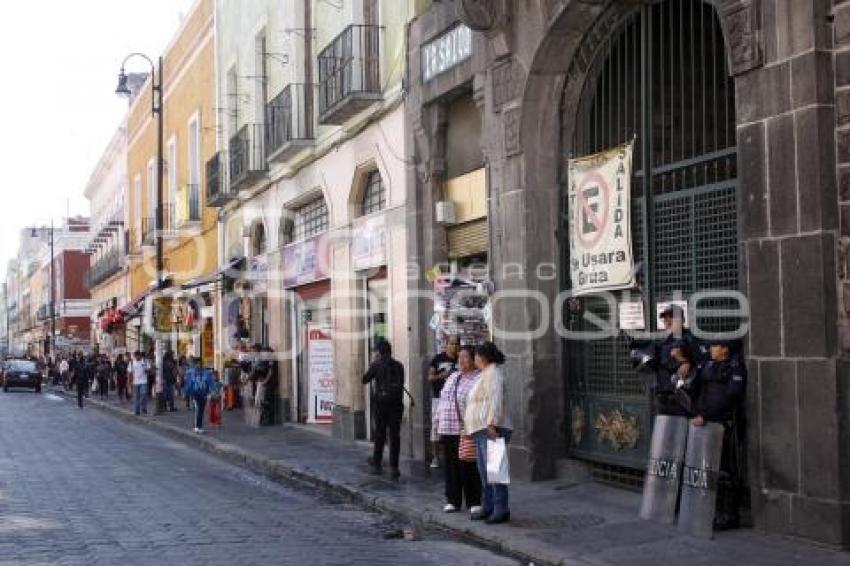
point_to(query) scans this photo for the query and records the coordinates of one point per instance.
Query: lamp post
(156, 109)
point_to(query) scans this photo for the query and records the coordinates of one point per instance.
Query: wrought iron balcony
(289, 121)
(247, 156)
(349, 73)
(148, 231)
(104, 268)
(219, 191)
(188, 205)
(169, 219)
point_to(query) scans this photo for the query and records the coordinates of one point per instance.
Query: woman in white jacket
(487, 417)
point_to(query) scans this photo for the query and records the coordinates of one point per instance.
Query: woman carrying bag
(461, 470)
(487, 419)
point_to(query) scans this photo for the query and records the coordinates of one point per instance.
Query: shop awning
(234, 265)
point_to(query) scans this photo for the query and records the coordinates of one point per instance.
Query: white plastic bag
(498, 470)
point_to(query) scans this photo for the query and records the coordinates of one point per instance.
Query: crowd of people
(250, 381)
(469, 409)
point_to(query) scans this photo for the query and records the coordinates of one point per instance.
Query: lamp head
(122, 89)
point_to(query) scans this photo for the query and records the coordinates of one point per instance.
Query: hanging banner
(600, 221)
(320, 368)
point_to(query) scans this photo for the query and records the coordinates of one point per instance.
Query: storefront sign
(600, 221)
(445, 52)
(368, 244)
(306, 261)
(320, 369)
(208, 346)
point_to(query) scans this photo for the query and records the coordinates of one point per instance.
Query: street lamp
(49, 342)
(156, 108)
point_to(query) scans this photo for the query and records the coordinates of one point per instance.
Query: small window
(311, 219)
(374, 195)
(286, 234)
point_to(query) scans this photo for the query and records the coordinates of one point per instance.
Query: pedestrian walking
(442, 366)
(199, 385)
(81, 377)
(169, 379)
(103, 375)
(120, 370)
(139, 369)
(64, 368)
(215, 400)
(388, 376)
(459, 461)
(486, 418)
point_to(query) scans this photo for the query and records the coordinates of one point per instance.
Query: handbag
(466, 451)
(498, 468)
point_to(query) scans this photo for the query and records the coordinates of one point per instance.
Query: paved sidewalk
(553, 522)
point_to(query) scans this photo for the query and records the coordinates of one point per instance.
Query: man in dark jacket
(677, 361)
(82, 377)
(388, 396)
(722, 391)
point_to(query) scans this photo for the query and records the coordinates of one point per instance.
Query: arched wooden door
(661, 78)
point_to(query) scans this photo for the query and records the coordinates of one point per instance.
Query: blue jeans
(200, 404)
(494, 498)
(140, 398)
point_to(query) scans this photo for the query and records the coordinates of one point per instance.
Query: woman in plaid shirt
(462, 477)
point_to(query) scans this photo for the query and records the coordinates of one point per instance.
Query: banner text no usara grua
(599, 200)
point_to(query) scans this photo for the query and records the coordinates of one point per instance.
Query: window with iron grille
(311, 219)
(374, 195)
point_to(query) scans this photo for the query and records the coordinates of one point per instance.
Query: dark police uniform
(666, 373)
(722, 391)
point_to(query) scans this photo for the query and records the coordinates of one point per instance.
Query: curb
(279, 471)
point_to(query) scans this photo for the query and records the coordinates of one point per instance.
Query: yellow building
(189, 227)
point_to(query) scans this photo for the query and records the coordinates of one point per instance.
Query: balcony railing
(349, 73)
(189, 204)
(169, 220)
(219, 191)
(289, 121)
(148, 231)
(103, 269)
(247, 156)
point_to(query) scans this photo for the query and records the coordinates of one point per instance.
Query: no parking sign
(600, 221)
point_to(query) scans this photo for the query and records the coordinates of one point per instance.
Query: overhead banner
(600, 221)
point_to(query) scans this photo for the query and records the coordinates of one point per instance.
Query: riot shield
(699, 479)
(663, 472)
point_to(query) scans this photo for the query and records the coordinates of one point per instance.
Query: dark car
(21, 373)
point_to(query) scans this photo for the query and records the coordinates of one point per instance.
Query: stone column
(797, 396)
(349, 324)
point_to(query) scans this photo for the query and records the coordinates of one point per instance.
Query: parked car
(22, 373)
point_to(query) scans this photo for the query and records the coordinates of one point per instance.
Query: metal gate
(660, 77)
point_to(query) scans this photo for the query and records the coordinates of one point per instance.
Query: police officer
(722, 390)
(676, 355)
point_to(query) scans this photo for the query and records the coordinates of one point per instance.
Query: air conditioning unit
(445, 212)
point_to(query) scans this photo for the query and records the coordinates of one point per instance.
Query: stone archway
(527, 179)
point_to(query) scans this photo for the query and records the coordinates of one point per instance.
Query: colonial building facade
(737, 113)
(310, 182)
(189, 228)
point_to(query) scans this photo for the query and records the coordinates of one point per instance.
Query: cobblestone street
(81, 487)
